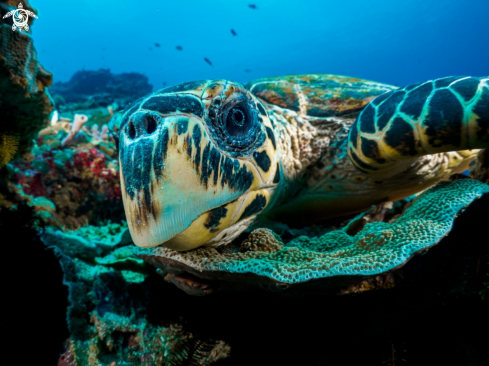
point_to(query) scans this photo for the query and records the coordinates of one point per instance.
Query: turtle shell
(318, 95)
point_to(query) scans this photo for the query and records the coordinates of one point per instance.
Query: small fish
(247, 70)
(208, 61)
(164, 83)
(179, 48)
(252, 6)
(233, 32)
(149, 48)
(157, 45)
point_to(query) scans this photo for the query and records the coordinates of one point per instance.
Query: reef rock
(91, 89)
(25, 103)
(121, 310)
(479, 168)
(110, 317)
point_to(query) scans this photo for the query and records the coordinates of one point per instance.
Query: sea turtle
(201, 161)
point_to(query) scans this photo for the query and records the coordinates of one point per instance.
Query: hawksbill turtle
(201, 161)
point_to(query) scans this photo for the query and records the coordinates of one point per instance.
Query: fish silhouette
(179, 48)
(247, 70)
(233, 32)
(208, 61)
(252, 6)
(157, 44)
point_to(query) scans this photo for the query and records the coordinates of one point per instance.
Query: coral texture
(78, 181)
(79, 178)
(101, 88)
(25, 102)
(107, 317)
(377, 248)
(261, 240)
(479, 169)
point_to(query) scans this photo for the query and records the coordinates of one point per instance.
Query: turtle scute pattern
(446, 114)
(318, 95)
(377, 248)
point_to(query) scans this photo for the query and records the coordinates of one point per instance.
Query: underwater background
(398, 43)
(74, 292)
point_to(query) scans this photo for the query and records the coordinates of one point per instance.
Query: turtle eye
(235, 124)
(238, 120)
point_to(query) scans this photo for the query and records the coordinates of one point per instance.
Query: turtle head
(198, 164)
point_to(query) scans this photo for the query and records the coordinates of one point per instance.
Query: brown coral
(24, 101)
(262, 240)
(479, 168)
(8, 148)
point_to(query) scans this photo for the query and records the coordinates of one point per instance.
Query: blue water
(388, 41)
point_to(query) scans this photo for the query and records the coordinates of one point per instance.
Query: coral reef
(70, 175)
(108, 314)
(122, 311)
(25, 103)
(101, 88)
(479, 168)
(80, 179)
(8, 147)
(347, 262)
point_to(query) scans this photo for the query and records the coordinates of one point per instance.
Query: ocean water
(400, 42)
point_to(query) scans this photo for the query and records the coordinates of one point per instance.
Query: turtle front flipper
(443, 115)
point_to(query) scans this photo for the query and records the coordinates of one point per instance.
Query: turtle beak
(178, 189)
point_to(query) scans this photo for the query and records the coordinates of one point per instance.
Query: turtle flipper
(31, 14)
(442, 115)
(9, 14)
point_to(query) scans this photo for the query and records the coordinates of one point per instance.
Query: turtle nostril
(150, 124)
(131, 131)
(141, 124)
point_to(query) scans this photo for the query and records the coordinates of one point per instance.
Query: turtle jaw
(180, 191)
(222, 224)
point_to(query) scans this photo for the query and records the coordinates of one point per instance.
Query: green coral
(111, 233)
(377, 248)
(89, 241)
(107, 316)
(120, 258)
(61, 157)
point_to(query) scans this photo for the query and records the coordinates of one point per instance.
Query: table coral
(377, 249)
